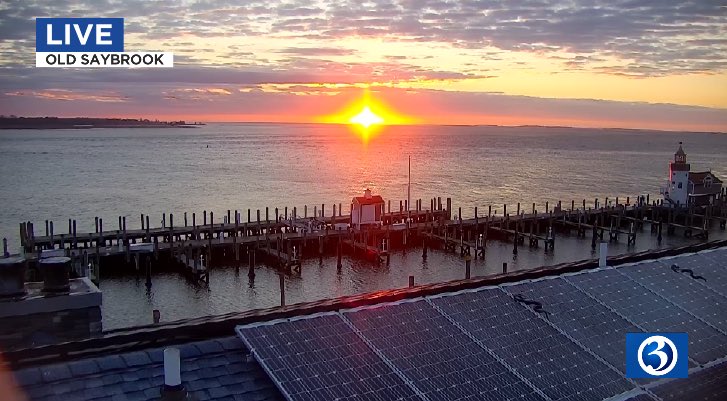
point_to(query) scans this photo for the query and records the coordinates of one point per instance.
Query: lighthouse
(677, 188)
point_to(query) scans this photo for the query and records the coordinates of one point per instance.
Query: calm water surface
(81, 174)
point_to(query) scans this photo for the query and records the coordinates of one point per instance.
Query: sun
(366, 118)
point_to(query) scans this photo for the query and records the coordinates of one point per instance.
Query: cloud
(647, 36)
(317, 51)
(274, 103)
(66, 95)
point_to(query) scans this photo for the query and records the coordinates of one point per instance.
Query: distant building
(367, 209)
(689, 188)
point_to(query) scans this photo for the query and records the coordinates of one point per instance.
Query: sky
(658, 64)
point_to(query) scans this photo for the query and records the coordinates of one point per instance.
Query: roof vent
(56, 273)
(367, 193)
(12, 277)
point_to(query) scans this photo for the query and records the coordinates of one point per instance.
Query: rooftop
(557, 335)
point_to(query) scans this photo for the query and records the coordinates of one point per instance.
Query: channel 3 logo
(656, 355)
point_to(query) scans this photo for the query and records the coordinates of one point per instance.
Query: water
(81, 174)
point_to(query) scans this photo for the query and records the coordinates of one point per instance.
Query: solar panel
(649, 311)
(322, 358)
(441, 361)
(707, 384)
(682, 288)
(590, 323)
(710, 265)
(558, 367)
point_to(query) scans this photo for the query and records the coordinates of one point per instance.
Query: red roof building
(367, 209)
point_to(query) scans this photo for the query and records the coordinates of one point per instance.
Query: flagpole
(408, 193)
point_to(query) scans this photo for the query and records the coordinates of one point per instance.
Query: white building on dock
(689, 187)
(367, 210)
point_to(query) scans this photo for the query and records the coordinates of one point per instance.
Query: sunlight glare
(366, 118)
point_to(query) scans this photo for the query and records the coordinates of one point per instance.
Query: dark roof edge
(209, 327)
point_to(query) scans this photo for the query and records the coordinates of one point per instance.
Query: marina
(187, 255)
(284, 240)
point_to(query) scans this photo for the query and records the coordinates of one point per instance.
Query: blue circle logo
(657, 355)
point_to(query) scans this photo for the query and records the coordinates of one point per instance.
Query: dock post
(5, 248)
(504, 210)
(323, 210)
(148, 236)
(533, 208)
(194, 219)
(52, 243)
(518, 209)
(339, 265)
(267, 215)
(164, 221)
(286, 213)
(305, 211)
(156, 248)
(251, 262)
(148, 268)
(75, 238)
(467, 262)
(204, 217)
(95, 229)
(171, 234)
(229, 216)
(282, 289)
(401, 207)
(504, 267)
(411, 281)
(185, 219)
(424, 249)
(248, 216)
(489, 211)
(658, 236)
(142, 220)
(514, 241)
(277, 215)
(295, 214)
(449, 208)
(339, 210)
(547, 207)
(593, 238)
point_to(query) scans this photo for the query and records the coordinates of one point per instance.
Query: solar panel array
(557, 338)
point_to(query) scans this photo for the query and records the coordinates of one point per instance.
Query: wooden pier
(284, 238)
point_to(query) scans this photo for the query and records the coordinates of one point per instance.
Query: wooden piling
(339, 265)
(504, 267)
(282, 290)
(251, 263)
(411, 281)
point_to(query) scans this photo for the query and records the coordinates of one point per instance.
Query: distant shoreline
(42, 123)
